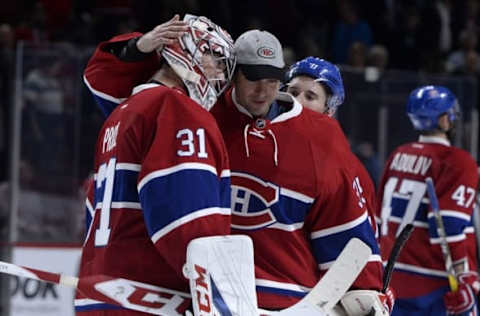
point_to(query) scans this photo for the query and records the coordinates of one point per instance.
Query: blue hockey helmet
(426, 104)
(321, 71)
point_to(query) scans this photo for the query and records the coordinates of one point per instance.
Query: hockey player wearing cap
(293, 188)
(420, 278)
(161, 169)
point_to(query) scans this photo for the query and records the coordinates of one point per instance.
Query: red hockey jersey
(402, 199)
(161, 180)
(295, 193)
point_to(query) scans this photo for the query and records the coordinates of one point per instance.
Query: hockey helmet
(321, 71)
(426, 104)
(187, 58)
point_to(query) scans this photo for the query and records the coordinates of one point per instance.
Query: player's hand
(463, 300)
(163, 34)
(389, 299)
(368, 302)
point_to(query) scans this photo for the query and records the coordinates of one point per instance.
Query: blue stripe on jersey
(99, 306)
(453, 226)
(399, 206)
(327, 248)
(425, 305)
(170, 197)
(278, 291)
(290, 210)
(124, 188)
(225, 191)
(106, 106)
(88, 220)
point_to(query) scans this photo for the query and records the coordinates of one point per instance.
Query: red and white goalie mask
(203, 58)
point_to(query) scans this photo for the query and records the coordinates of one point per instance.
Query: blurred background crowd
(429, 35)
(384, 47)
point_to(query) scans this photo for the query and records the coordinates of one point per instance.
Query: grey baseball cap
(260, 55)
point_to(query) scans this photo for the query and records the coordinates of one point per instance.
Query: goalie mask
(203, 58)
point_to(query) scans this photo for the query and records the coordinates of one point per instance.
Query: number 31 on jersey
(188, 142)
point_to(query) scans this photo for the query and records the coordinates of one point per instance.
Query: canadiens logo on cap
(266, 52)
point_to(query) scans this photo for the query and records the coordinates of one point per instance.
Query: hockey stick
(397, 248)
(126, 293)
(447, 256)
(334, 284)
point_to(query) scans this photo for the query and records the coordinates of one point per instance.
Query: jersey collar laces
(260, 133)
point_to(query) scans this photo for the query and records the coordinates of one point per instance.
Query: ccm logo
(266, 52)
(202, 288)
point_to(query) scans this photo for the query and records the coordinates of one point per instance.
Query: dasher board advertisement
(36, 298)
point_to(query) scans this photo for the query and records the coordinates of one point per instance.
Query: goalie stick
(397, 248)
(334, 284)
(130, 294)
(447, 256)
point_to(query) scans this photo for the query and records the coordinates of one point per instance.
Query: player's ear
(444, 123)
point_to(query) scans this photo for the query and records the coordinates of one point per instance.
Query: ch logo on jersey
(252, 199)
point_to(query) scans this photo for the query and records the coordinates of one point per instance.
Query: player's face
(213, 66)
(255, 96)
(309, 93)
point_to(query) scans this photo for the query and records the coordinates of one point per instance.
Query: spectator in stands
(357, 55)
(46, 118)
(464, 59)
(350, 29)
(377, 56)
(472, 65)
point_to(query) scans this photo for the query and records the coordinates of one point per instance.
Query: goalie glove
(463, 300)
(368, 302)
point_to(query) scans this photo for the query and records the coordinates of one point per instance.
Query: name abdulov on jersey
(411, 163)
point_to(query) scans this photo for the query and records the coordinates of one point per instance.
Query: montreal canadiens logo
(251, 202)
(266, 52)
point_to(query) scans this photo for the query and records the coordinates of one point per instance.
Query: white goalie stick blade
(222, 276)
(334, 284)
(129, 294)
